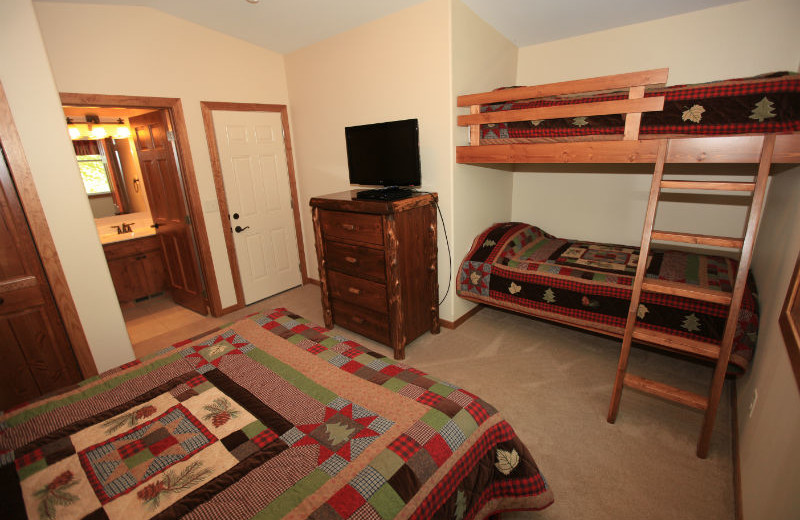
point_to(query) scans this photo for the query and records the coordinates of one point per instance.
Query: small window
(94, 174)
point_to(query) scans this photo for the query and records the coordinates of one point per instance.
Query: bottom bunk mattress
(270, 418)
(519, 267)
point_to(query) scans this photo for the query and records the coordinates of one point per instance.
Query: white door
(256, 178)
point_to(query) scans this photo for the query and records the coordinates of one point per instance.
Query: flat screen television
(384, 154)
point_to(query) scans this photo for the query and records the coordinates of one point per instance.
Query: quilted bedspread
(520, 267)
(268, 418)
(762, 104)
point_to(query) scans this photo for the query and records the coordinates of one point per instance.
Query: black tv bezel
(414, 179)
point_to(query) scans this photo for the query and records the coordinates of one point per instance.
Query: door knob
(239, 229)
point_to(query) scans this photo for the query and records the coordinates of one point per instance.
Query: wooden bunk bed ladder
(719, 353)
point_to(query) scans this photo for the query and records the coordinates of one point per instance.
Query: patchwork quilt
(517, 266)
(769, 103)
(270, 417)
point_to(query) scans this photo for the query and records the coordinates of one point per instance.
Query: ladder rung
(677, 343)
(666, 391)
(691, 238)
(686, 290)
(708, 185)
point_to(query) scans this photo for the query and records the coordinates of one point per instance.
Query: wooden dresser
(377, 266)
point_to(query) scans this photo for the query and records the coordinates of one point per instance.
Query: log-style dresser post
(378, 265)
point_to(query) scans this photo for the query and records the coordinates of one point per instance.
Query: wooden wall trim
(175, 109)
(207, 107)
(29, 197)
(460, 321)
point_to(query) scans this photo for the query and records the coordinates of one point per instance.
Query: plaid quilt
(269, 418)
(520, 267)
(769, 103)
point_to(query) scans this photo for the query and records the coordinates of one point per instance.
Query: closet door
(35, 354)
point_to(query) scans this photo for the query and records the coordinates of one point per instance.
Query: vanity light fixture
(96, 129)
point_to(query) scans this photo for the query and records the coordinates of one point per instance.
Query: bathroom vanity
(137, 267)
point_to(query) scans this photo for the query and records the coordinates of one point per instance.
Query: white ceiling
(287, 25)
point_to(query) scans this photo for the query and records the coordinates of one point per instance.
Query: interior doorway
(172, 195)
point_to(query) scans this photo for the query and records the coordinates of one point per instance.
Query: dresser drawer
(356, 260)
(359, 227)
(371, 324)
(358, 291)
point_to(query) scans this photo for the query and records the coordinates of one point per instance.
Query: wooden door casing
(35, 352)
(168, 208)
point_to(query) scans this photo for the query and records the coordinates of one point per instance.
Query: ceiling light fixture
(253, 1)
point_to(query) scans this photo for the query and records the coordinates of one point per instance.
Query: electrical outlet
(753, 403)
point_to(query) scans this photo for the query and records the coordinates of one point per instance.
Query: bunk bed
(627, 119)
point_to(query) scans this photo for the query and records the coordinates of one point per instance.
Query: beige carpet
(553, 384)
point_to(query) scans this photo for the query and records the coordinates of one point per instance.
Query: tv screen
(384, 154)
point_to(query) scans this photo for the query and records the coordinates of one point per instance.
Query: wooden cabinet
(137, 268)
(377, 266)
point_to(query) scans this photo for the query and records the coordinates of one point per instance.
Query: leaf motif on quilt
(588, 302)
(461, 505)
(580, 121)
(693, 114)
(506, 461)
(489, 243)
(129, 419)
(219, 412)
(55, 494)
(691, 323)
(514, 288)
(641, 311)
(549, 296)
(189, 477)
(536, 122)
(763, 110)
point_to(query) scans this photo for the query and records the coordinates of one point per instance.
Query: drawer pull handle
(349, 227)
(353, 290)
(358, 319)
(350, 259)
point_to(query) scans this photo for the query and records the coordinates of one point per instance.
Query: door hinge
(188, 220)
(171, 136)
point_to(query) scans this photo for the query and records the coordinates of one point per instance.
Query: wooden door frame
(207, 107)
(185, 164)
(37, 222)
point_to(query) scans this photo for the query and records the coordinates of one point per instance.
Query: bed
(634, 118)
(270, 417)
(519, 267)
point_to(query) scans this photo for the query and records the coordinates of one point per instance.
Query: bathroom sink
(107, 238)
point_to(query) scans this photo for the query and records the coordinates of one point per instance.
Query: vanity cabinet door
(136, 268)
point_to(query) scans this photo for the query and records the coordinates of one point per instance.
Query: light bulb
(98, 132)
(123, 132)
(74, 133)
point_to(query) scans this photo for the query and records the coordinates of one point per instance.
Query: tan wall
(734, 40)
(36, 108)
(394, 68)
(482, 60)
(769, 438)
(148, 53)
(739, 39)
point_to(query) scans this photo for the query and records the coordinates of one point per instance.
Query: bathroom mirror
(107, 159)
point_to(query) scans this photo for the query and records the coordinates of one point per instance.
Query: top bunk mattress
(519, 267)
(769, 103)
